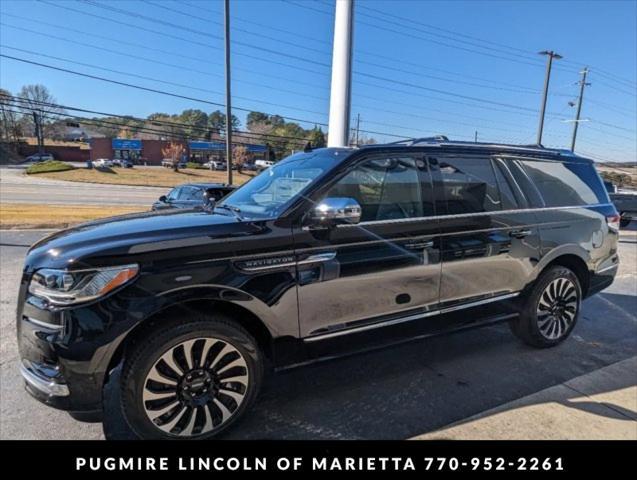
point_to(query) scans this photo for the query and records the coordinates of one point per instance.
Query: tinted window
(191, 194)
(386, 188)
(507, 197)
(270, 192)
(174, 193)
(563, 184)
(469, 185)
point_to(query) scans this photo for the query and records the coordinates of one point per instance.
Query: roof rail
(415, 141)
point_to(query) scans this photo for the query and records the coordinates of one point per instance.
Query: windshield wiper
(236, 211)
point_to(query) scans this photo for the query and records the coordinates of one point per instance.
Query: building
(149, 152)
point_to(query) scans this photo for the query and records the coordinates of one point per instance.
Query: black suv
(327, 252)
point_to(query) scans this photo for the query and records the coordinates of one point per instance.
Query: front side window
(269, 193)
(564, 184)
(191, 194)
(469, 185)
(174, 194)
(386, 188)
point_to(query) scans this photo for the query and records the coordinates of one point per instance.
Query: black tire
(624, 221)
(215, 343)
(531, 327)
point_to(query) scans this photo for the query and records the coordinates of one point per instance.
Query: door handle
(319, 257)
(420, 245)
(519, 233)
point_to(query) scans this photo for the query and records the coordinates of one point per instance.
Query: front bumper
(38, 379)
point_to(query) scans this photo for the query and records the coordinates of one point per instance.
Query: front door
(354, 277)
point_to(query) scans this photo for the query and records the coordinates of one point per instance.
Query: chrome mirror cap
(337, 210)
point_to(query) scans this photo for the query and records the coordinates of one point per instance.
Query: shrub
(49, 166)
(194, 165)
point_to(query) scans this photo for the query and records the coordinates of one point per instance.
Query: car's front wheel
(191, 379)
(550, 310)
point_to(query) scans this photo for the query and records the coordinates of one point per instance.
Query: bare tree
(43, 110)
(241, 156)
(174, 151)
(10, 128)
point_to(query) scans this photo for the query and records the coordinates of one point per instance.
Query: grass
(49, 166)
(14, 215)
(149, 177)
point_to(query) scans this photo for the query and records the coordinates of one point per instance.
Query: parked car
(43, 157)
(169, 163)
(116, 162)
(127, 164)
(193, 195)
(261, 165)
(215, 165)
(328, 251)
(625, 202)
(103, 163)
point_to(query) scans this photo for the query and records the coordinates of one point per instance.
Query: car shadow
(422, 386)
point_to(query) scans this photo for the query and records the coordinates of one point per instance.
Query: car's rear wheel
(624, 221)
(550, 311)
(191, 380)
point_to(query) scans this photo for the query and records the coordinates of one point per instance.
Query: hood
(121, 239)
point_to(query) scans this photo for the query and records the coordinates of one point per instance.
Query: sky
(420, 67)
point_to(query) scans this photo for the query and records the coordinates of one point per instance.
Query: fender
(567, 249)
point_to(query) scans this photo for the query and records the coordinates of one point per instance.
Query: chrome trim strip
(606, 269)
(42, 384)
(477, 303)
(477, 214)
(40, 323)
(396, 321)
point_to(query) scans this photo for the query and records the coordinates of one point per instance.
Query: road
(395, 393)
(15, 187)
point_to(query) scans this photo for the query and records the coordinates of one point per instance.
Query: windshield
(269, 193)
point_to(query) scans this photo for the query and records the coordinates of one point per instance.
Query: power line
(378, 65)
(179, 84)
(405, 33)
(357, 72)
(148, 89)
(171, 123)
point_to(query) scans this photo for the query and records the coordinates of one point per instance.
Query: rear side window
(469, 185)
(564, 184)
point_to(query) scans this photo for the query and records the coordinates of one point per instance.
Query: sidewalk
(599, 405)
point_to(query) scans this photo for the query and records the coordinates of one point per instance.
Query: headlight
(63, 287)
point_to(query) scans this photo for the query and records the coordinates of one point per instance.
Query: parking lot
(394, 393)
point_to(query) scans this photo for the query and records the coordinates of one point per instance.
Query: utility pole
(551, 55)
(37, 120)
(358, 126)
(582, 83)
(475, 137)
(340, 95)
(228, 101)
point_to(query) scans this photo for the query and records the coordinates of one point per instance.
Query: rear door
(354, 277)
(490, 243)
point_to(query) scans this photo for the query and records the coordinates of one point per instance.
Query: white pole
(340, 97)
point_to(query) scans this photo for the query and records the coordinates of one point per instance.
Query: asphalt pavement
(15, 187)
(394, 393)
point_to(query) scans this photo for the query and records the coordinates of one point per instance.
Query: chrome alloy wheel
(557, 308)
(195, 387)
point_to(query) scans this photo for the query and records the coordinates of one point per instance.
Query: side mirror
(163, 199)
(336, 210)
